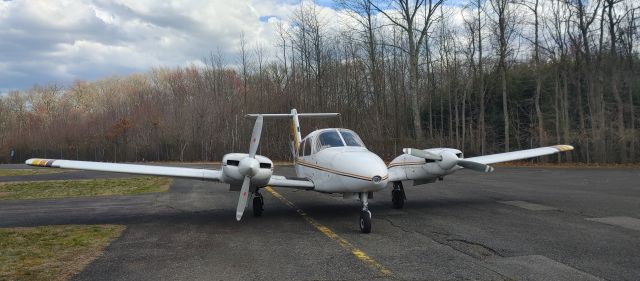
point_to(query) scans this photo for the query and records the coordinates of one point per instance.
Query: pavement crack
(397, 226)
(476, 244)
(470, 248)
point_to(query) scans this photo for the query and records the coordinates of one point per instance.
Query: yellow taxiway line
(359, 254)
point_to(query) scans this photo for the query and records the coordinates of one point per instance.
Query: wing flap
(177, 172)
(519, 155)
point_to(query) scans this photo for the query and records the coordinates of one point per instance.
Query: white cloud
(63, 40)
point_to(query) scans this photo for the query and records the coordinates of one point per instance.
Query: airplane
(329, 160)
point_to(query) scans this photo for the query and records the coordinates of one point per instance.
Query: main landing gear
(365, 214)
(258, 204)
(397, 195)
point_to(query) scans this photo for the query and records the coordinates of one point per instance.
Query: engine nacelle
(232, 175)
(425, 170)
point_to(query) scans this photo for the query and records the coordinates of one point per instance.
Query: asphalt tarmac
(513, 224)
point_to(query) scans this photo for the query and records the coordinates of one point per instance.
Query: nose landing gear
(258, 204)
(365, 214)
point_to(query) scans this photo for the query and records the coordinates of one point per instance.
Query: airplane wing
(177, 172)
(521, 154)
(152, 170)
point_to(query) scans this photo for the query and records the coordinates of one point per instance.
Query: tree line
(487, 76)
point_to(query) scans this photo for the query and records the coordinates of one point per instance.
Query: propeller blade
(244, 195)
(422, 153)
(475, 166)
(255, 137)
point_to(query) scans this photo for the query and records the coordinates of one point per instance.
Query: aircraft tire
(365, 221)
(258, 204)
(397, 199)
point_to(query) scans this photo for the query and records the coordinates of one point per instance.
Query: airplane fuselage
(336, 160)
(344, 169)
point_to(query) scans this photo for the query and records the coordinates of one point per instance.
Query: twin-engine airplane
(332, 160)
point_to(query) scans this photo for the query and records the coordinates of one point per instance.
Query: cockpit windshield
(336, 138)
(330, 139)
(350, 138)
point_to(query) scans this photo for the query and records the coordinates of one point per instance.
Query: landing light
(376, 179)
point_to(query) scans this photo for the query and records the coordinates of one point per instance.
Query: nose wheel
(397, 195)
(365, 214)
(258, 204)
(365, 221)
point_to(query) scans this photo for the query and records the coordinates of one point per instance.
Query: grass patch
(52, 252)
(75, 188)
(28, 172)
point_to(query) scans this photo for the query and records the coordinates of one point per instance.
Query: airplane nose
(365, 166)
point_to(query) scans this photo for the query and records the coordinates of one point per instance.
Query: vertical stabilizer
(296, 136)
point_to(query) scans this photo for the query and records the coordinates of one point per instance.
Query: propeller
(447, 160)
(249, 167)
(475, 166)
(422, 154)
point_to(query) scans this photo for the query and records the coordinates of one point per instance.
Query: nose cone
(362, 169)
(249, 166)
(448, 160)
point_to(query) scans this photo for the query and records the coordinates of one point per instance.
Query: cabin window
(351, 139)
(330, 139)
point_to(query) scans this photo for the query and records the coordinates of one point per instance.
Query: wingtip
(563, 147)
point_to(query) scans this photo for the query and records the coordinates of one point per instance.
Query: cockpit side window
(307, 147)
(301, 148)
(330, 139)
(351, 139)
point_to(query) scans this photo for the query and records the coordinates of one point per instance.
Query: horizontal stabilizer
(287, 115)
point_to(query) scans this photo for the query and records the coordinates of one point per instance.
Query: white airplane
(332, 160)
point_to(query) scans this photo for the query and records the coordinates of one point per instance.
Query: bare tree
(504, 30)
(416, 33)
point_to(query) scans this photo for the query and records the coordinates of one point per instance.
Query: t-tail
(296, 136)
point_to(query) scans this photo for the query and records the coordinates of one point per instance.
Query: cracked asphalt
(457, 229)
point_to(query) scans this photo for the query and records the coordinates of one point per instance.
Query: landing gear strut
(258, 204)
(365, 214)
(397, 195)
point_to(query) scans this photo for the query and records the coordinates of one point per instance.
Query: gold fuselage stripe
(309, 165)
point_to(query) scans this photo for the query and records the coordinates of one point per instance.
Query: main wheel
(365, 221)
(397, 199)
(258, 204)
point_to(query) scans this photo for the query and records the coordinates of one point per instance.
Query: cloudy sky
(62, 40)
(43, 41)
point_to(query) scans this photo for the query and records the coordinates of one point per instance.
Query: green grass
(76, 188)
(52, 252)
(28, 172)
